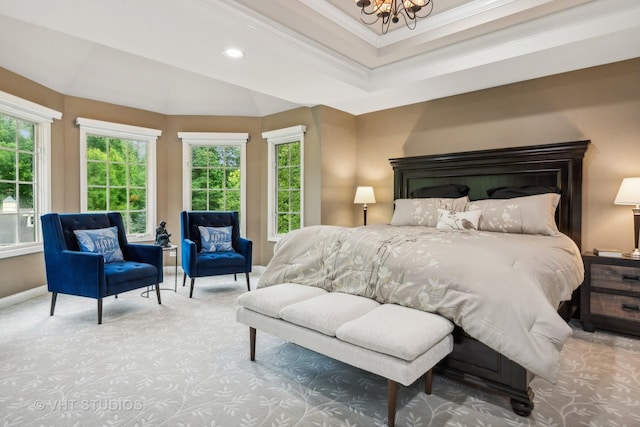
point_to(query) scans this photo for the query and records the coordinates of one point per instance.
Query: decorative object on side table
(162, 236)
(610, 294)
(629, 194)
(615, 253)
(364, 195)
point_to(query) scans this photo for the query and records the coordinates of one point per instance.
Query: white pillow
(524, 215)
(450, 220)
(425, 211)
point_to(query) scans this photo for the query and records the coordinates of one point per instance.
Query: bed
(433, 270)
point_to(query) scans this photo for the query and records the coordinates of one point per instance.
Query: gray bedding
(502, 289)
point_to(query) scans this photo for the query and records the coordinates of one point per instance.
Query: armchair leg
(184, 278)
(248, 284)
(158, 292)
(193, 281)
(235, 277)
(99, 311)
(54, 295)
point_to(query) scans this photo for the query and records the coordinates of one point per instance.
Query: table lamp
(629, 194)
(364, 195)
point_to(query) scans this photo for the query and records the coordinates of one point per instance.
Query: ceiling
(166, 55)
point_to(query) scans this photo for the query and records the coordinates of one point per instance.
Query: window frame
(137, 133)
(42, 117)
(214, 139)
(275, 138)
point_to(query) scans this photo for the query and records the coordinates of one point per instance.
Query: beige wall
(338, 165)
(601, 104)
(341, 151)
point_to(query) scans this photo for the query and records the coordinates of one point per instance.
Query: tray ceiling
(166, 55)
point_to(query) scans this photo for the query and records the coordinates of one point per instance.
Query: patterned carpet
(185, 363)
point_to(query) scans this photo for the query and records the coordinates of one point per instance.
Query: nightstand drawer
(623, 307)
(615, 277)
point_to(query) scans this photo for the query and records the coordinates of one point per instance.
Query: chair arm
(148, 254)
(189, 256)
(246, 250)
(76, 273)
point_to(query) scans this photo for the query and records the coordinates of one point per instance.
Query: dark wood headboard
(558, 165)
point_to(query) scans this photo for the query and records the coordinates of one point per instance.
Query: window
(118, 173)
(285, 180)
(214, 176)
(25, 182)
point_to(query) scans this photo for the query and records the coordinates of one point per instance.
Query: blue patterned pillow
(215, 239)
(101, 241)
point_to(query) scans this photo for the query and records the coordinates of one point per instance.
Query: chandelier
(389, 11)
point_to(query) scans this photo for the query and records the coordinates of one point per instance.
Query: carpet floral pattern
(186, 363)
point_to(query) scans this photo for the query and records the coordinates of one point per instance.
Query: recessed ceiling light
(234, 53)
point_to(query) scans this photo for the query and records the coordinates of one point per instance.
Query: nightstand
(610, 295)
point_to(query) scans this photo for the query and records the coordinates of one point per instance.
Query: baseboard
(22, 296)
(170, 269)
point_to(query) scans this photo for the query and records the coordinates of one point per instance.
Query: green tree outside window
(17, 181)
(288, 169)
(215, 178)
(117, 179)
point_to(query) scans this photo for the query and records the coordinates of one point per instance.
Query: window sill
(275, 239)
(10, 252)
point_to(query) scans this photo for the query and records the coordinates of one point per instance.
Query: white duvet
(502, 289)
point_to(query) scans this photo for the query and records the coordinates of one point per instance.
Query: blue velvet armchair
(197, 262)
(73, 271)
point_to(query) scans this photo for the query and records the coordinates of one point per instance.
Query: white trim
(22, 109)
(13, 299)
(23, 248)
(27, 110)
(99, 127)
(136, 133)
(281, 136)
(276, 137)
(191, 139)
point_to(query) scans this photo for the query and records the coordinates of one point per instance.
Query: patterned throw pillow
(448, 220)
(526, 215)
(216, 239)
(102, 241)
(425, 211)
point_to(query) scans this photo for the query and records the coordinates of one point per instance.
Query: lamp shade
(364, 195)
(629, 192)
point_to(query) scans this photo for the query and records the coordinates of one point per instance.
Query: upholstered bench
(396, 342)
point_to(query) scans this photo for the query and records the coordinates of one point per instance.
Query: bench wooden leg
(252, 344)
(428, 379)
(392, 392)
